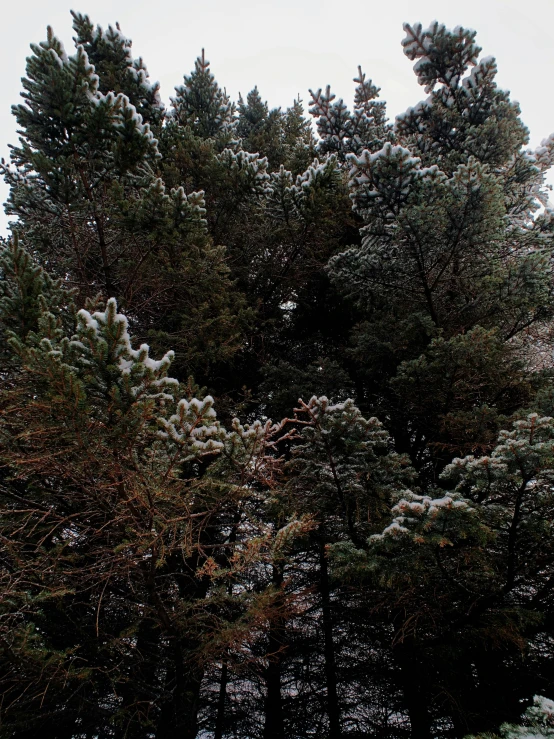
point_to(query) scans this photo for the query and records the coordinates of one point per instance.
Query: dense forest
(276, 399)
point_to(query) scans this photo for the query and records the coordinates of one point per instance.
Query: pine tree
(24, 287)
(448, 223)
(466, 115)
(75, 143)
(201, 104)
(538, 718)
(261, 129)
(476, 546)
(285, 138)
(252, 114)
(88, 200)
(299, 141)
(115, 526)
(344, 133)
(110, 53)
(343, 475)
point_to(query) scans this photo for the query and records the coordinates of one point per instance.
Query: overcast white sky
(286, 47)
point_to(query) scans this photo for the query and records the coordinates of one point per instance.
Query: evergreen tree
(538, 719)
(261, 129)
(477, 548)
(252, 114)
(84, 189)
(285, 138)
(110, 53)
(448, 224)
(299, 141)
(344, 475)
(345, 133)
(201, 104)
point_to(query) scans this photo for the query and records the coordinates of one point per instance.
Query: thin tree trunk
(220, 719)
(98, 220)
(138, 692)
(108, 282)
(333, 710)
(179, 714)
(274, 727)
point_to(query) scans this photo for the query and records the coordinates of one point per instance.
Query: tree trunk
(179, 712)
(139, 691)
(220, 718)
(333, 710)
(415, 695)
(274, 727)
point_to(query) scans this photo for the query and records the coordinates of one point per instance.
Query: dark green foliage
(284, 138)
(25, 290)
(345, 133)
(449, 244)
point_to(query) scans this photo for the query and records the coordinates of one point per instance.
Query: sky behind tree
(289, 46)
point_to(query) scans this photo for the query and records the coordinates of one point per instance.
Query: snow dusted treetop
(105, 335)
(288, 200)
(201, 104)
(441, 55)
(450, 245)
(252, 114)
(343, 132)
(248, 169)
(75, 141)
(261, 130)
(84, 188)
(465, 114)
(120, 385)
(110, 53)
(454, 198)
(297, 209)
(369, 115)
(67, 120)
(86, 118)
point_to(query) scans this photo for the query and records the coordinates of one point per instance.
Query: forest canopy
(276, 406)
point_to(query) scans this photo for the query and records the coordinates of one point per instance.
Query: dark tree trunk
(220, 718)
(179, 712)
(139, 691)
(416, 697)
(274, 727)
(333, 710)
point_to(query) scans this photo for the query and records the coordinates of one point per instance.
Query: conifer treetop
(201, 104)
